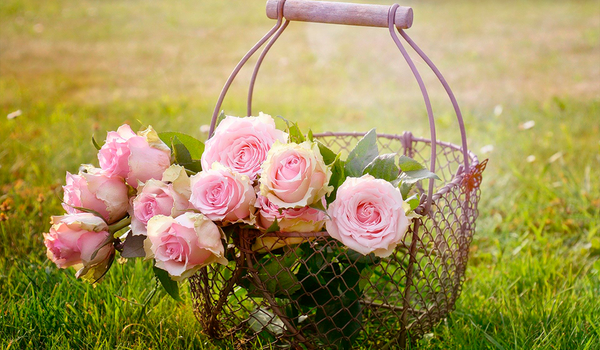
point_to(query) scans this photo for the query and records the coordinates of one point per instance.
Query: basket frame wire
(465, 179)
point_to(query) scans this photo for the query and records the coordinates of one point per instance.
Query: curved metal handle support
(259, 62)
(413, 68)
(240, 64)
(438, 74)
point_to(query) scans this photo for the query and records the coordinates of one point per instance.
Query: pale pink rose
(155, 198)
(368, 216)
(91, 189)
(184, 244)
(74, 238)
(221, 194)
(294, 175)
(242, 143)
(134, 157)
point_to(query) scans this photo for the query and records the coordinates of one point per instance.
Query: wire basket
(397, 298)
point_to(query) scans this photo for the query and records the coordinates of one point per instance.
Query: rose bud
(92, 189)
(136, 158)
(82, 241)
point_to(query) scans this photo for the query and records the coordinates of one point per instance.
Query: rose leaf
(383, 167)
(170, 286)
(363, 154)
(195, 147)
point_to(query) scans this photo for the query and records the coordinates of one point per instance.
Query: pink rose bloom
(134, 157)
(91, 189)
(155, 198)
(222, 194)
(294, 175)
(304, 219)
(368, 216)
(242, 143)
(182, 245)
(74, 238)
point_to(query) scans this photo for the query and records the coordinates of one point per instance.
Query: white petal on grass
(531, 159)
(556, 156)
(204, 128)
(527, 125)
(498, 110)
(14, 114)
(487, 149)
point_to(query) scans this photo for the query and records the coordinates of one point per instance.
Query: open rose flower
(92, 189)
(156, 197)
(134, 157)
(222, 194)
(72, 241)
(304, 219)
(182, 245)
(368, 216)
(294, 175)
(242, 143)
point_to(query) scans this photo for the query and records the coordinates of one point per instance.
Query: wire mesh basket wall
(324, 284)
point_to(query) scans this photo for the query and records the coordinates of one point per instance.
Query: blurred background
(526, 74)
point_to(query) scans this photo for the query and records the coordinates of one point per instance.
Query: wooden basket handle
(341, 13)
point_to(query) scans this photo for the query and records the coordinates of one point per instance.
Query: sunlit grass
(533, 278)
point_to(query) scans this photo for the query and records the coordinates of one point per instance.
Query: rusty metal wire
(405, 295)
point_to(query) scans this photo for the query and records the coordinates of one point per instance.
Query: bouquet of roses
(175, 200)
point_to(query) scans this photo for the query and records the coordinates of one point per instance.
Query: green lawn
(79, 68)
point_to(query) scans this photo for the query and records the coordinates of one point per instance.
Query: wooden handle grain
(340, 13)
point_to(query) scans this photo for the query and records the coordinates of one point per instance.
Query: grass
(77, 68)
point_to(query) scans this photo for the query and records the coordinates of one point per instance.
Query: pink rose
(242, 143)
(134, 157)
(184, 244)
(221, 194)
(368, 216)
(91, 189)
(155, 198)
(72, 241)
(294, 175)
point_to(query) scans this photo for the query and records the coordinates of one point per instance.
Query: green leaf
(363, 154)
(309, 136)
(383, 167)
(340, 321)
(319, 206)
(95, 143)
(277, 275)
(328, 155)
(338, 176)
(171, 287)
(274, 227)
(413, 201)
(195, 147)
(295, 135)
(412, 172)
(220, 118)
(183, 156)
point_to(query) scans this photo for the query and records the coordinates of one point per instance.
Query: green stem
(119, 225)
